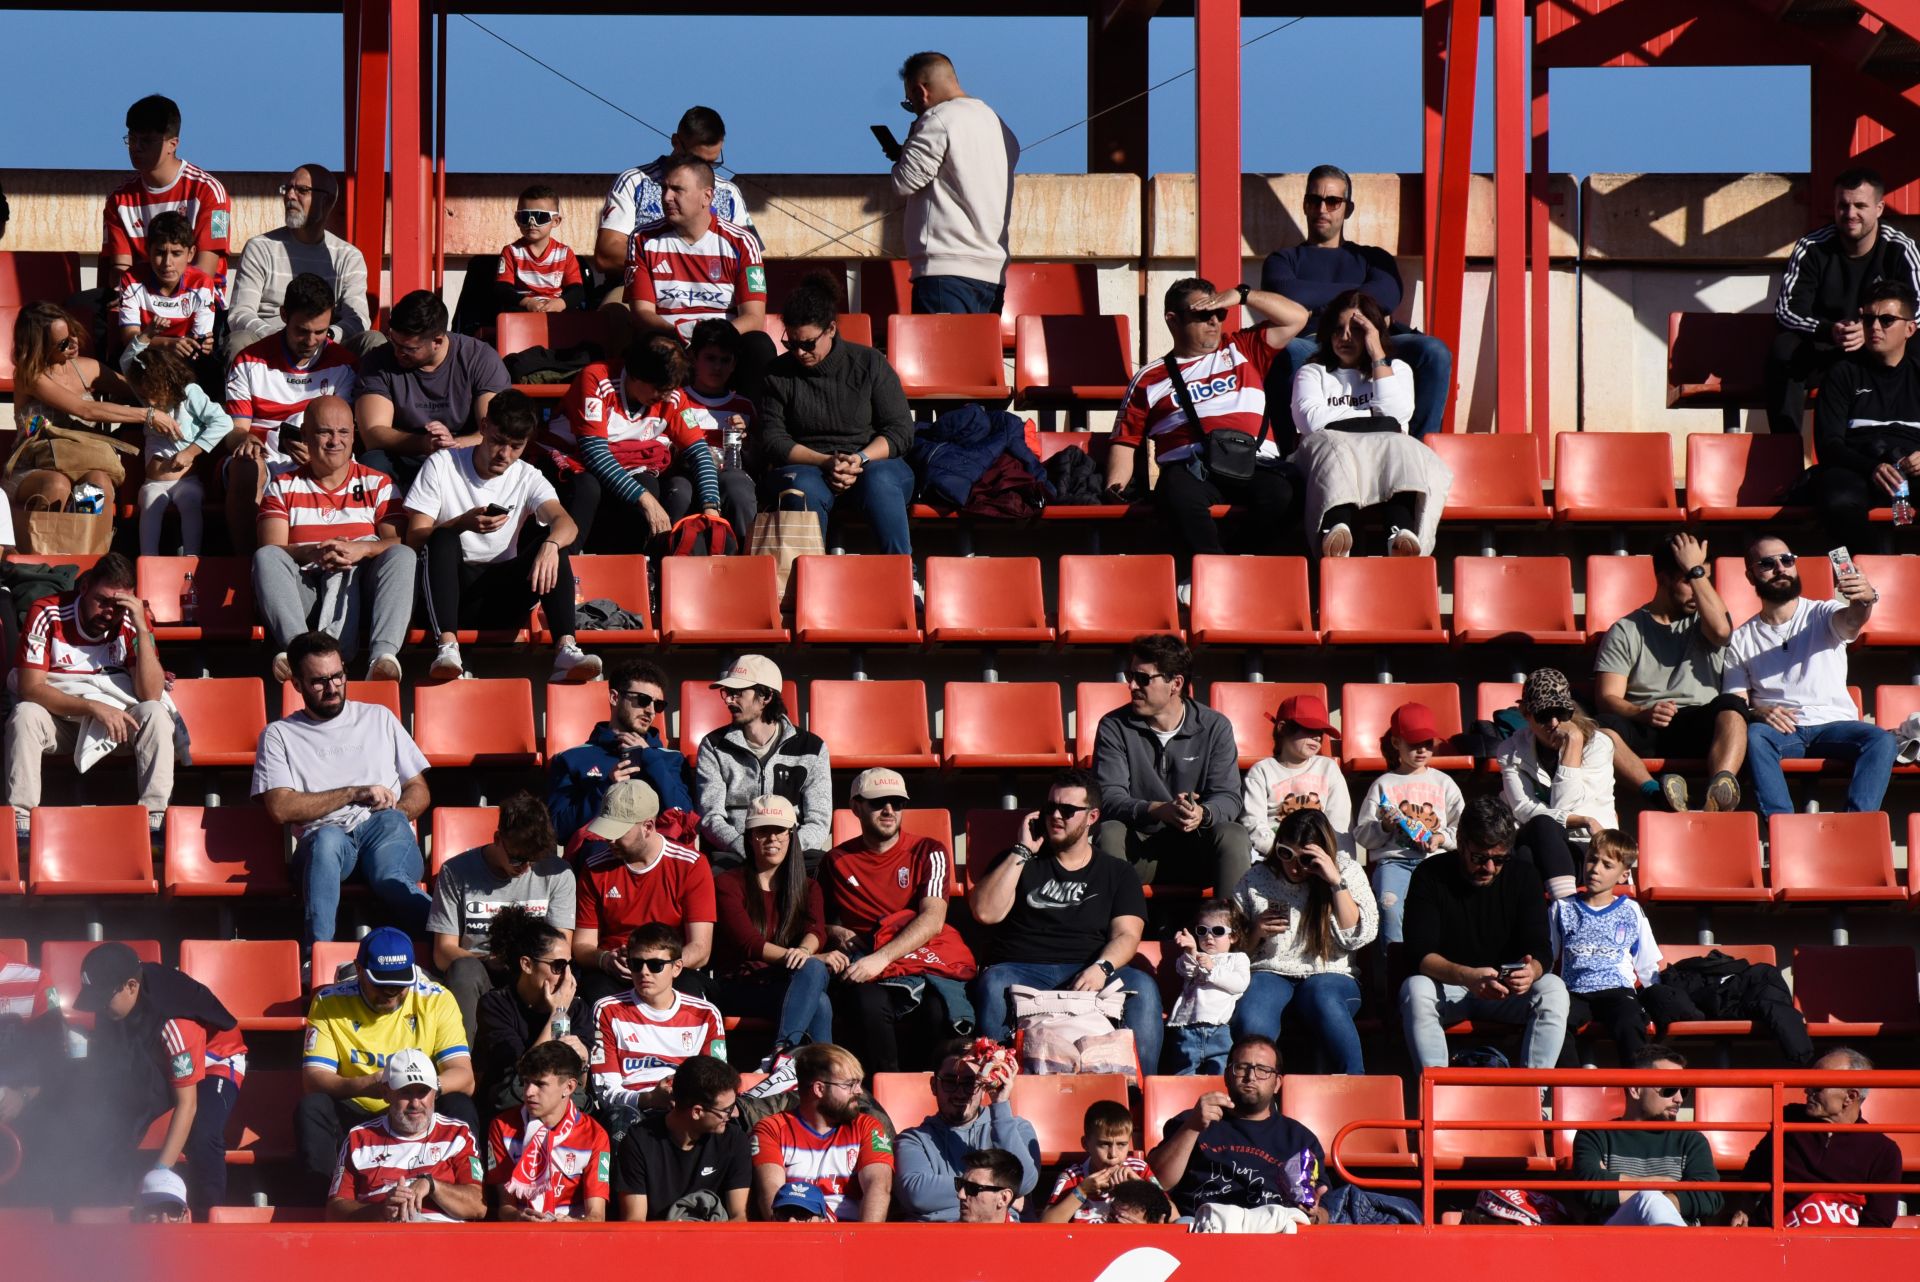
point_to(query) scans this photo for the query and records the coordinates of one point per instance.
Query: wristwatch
(1697, 572)
(862, 456)
(1106, 967)
(1244, 291)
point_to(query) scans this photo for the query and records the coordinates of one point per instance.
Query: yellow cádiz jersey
(345, 1035)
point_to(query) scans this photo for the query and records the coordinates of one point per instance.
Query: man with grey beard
(302, 244)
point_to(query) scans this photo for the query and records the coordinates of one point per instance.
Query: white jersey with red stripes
(351, 511)
(271, 390)
(194, 193)
(636, 1047)
(641, 438)
(691, 281)
(23, 990)
(546, 274)
(723, 406)
(1228, 387)
(374, 1160)
(186, 312)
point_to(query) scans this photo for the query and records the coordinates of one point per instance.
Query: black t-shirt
(651, 1165)
(1243, 1163)
(1060, 917)
(1475, 925)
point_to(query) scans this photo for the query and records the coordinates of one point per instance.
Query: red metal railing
(1778, 1082)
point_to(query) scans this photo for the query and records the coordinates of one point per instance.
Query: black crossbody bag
(1231, 454)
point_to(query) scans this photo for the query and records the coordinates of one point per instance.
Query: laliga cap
(771, 812)
(748, 671)
(878, 782)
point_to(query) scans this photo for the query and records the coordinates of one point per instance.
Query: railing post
(1778, 1193)
(1426, 1148)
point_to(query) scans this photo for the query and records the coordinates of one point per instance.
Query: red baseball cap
(1414, 723)
(1308, 711)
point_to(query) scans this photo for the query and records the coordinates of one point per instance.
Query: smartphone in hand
(888, 143)
(1036, 833)
(494, 509)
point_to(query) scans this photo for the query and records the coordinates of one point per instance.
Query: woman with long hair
(1556, 775)
(1310, 911)
(766, 945)
(539, 1002)
(54, 382)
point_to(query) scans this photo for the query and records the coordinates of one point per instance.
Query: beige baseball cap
(750, 670)
(771, 812)
(878, 782)
(629, 802)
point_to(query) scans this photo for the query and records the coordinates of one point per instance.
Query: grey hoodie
(728, 776)
(1135, 769)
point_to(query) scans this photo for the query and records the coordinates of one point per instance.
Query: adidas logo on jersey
(613, 892)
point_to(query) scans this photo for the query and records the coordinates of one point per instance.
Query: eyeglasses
(1784, 561)
(1324, 202)
(641, 699)
(958, 1081)
(534, 217)
(1258, 1072)
(1213, 932)
(143, 140)
(886, 803)
(1049, 809)
(1195, 316)
(1544, 715)
(653, 965)
(1141, 680)
(1884, 320)
(806, 345)
(326, 679)
(851, 1084)
(1493, 858)
(302, 189)
(969, 1189)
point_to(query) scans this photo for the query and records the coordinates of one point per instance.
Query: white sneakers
(282, 670)
(1337, 541)
(446, 663)
(1402, 542)
(572, 664)
(384, 668)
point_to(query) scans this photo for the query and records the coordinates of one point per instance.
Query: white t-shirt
(448, 485)
(1800, 664)
(365, 745)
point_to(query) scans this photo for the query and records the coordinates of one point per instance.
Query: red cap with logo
(1414, 723)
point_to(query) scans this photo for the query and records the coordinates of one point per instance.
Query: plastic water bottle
(562, 1025)
(1902, 506)
(76, 1040)
(579, 593)
(733, 444)
(189, 600)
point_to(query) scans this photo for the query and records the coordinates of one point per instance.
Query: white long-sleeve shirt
(1286, 953)
(1584, 789)
(956, 174)
(1211, 991)
(1431, 797)
(1323, 396)
(1272, 790)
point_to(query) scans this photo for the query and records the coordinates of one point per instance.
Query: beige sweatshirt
(956, 173)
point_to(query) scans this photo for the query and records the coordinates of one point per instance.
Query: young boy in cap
(162, 1200)
(409, 1164)
(1408, 813)
(799, 1202)
(182, 1051)
(1298, 776)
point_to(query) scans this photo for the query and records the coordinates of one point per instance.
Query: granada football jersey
(862, 889)
(636, 1047)
(642, 438)
(53, 640)
(191, 1052)
(374, 1161)
(1228, 387)
(723, 407)
(23, 990)
(615, 900)
(545, 274)
(193, 192)
(269, 389)
(830, 1161)
(1097, 1210)
(187, 312)
(582, 1158)
(688, 282)
(314, 514)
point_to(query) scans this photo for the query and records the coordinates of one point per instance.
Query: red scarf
(533, 1175)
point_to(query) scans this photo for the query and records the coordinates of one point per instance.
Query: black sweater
(1475, 925)
(1868, 413)
(1822, 285)
(838, 406)
(1823, 1157)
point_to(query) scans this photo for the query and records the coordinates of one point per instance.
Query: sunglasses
(653, 965)
(886, 803)
(1491, 858)
(1212, 932)
(67, 344)
(958, 1081)
(1324, 202)
(642, 700)
(1784, 561)
(1668, 1092)
(558, 965)
(1884, 320)
(806, 345)
(1200, 316)
(534, 217)
(1141, 680)
(1061, 808)
(1544, 715)
(969, 1189)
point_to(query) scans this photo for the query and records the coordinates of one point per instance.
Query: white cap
(411, 1067)
(161, 1187)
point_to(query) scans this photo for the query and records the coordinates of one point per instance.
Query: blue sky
(798, 94)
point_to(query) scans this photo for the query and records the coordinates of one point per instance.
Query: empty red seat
(720, 600)
(458, 829)
(886, 286)
(1093, 700)
(1003, 725)
(1056, 1105)
(1899, 1104)
(1250, 706)
(1723, 1104)
(985, 600)
(1576, 1105)
(225, 717)
(1051, 290)
(1829, 857)
(1163, 1098)
(1071, 360)
(265, 1215)
(1496, 476)
(1458, 1146)
(10, 880)
(1614, 476)
(574, 709)
(1324, 1104)
(38, 276)
(1896, 616)
(906, 1098)
(1504, 599)
(702, 710)
(332, 963)
(947, 357)
(384, 693)
(1365, 711)
(1619, 585)
(854, 600)
(257, 980)
(13, 952)
(1700, 858)
(1730, 581)
(1109, 600)
(872, 723)
(217, 591)
(620, 579)
(224, 851)
(1736, 476)
(990, 834)
(1376, 600)
(1252, 600)
(90, 850)
(261, 1128)
(483, 722)
(1857, 990)
(1490, 697)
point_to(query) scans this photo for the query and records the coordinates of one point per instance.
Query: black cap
(104, 973)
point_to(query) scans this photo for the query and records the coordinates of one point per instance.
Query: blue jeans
(884, 490)
(933, 295)
(796, 1000)
(1871, 748)
(383, 846)
(1328, 1002)
(1142, 1013)
(1426, 356)
(1390, 875)
(1199, 1049)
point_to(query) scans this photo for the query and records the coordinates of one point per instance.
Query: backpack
(703, 534)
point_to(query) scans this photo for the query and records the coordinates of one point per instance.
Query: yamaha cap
(386, 955)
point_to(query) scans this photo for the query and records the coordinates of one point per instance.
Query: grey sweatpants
(382, 588)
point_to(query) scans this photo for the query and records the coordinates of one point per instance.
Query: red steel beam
(438, 209)
(1433, 87)
(409, 152)
(368, 157)
(1510, 206)
(1540, 228)
(1446, 287)
(1216, 39)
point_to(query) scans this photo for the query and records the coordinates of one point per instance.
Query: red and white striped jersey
(1228, 386)
(53, 641)
(269, 389)
(374, 1160)
(577, 1165)
(194, 192)
(830, 1162)
(636, 1047)
(691, 282)
(23, 990)
(315, 515)
(642, 438)
(545, 274)
(187, 312)
(723, 407)
(190, 1051)
(614, 899)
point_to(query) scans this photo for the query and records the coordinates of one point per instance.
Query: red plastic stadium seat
(934, 824)
(261, 1128)
(872, 723)
(1324, 1104)
(1495, 696)
(1614, 476)
(484, 722)
(1496, 476)
(854, 600)
(1093, 700)
(852, 327)
(1376, 600)
(1733, 1104)
(1463, 1148)
(61, 960)
(10, 882)
(265, 1215)
(384, 693)
(702, 710)
(1252, 600)
(1003, 725)
(1098, 445)
(1735, 476)
(329, 956)
(1857, 990)
(1365, 711)
(954, 358)
(1506, 599)
(1896, 618)
(38, 276)
(225, 717)
(886, 286)
(224, 851)
(1718, 359)
(1619, 585)
(90, 850)
(620, 579)
(257, 980)
(222, 596)
(573, 710)
(1109, 600)
(1250, 706)
(990, 834)
(1700, 858)
(1071, 360)
(80, 561)
(1575, 1105)
(1829, 857)
(1052, 290)
(13, 952)
(985, 600)
(458, 829)
(1892, 1104)
(518, 331)
(1730, 581)
(1056, 1105)
(906, 1098)
(1163, 1098)
(720, 600)
(1752, 954)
